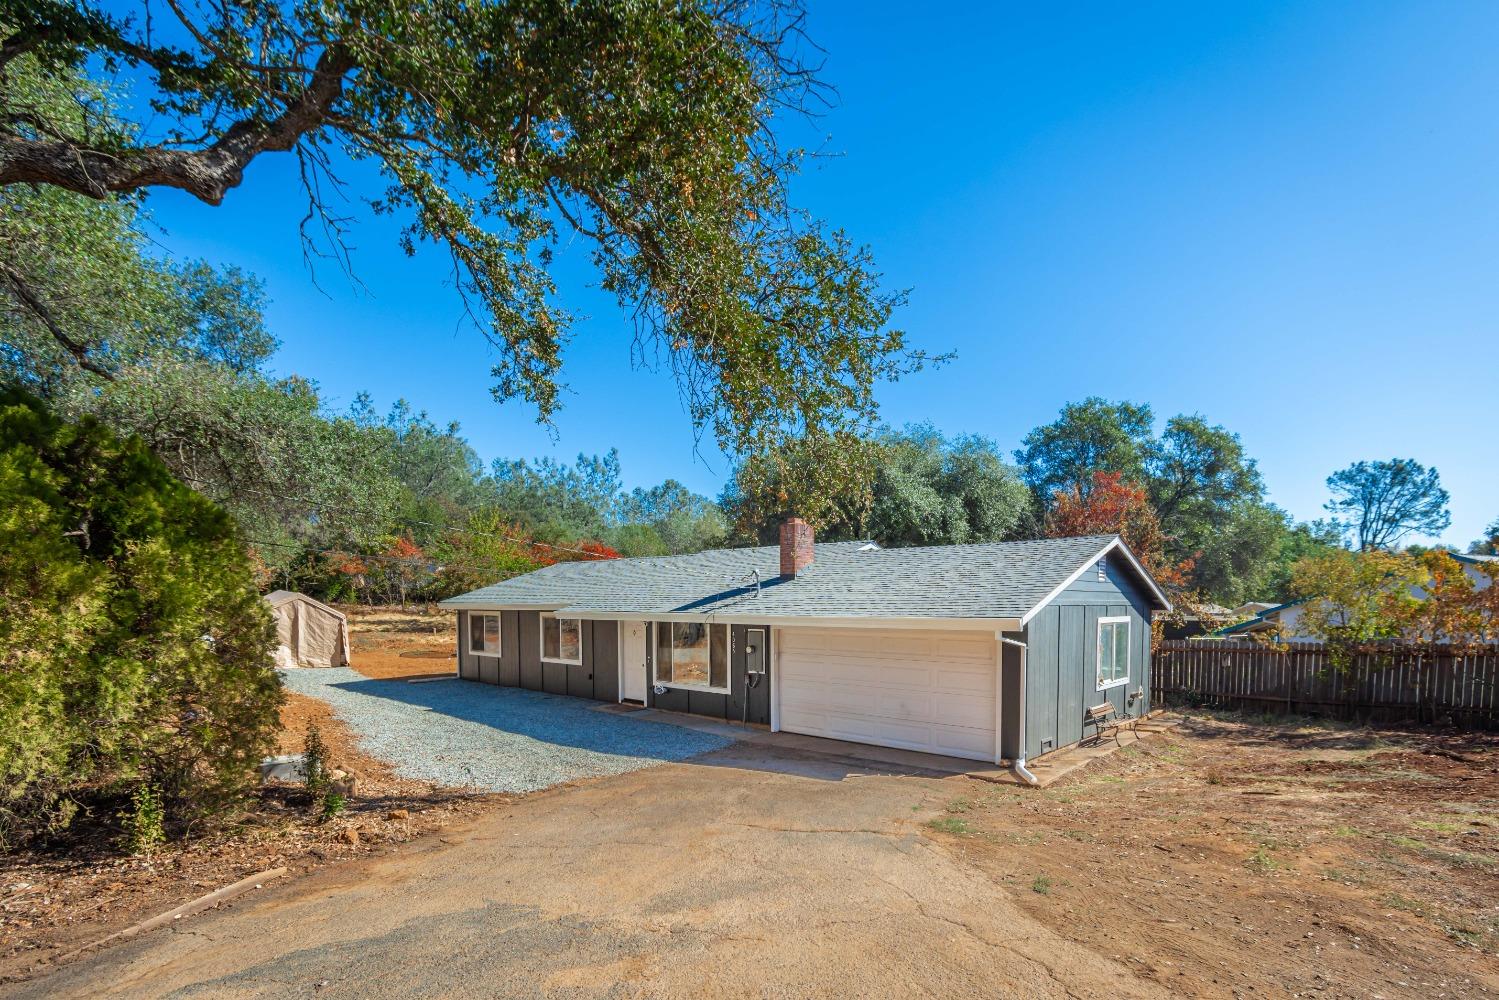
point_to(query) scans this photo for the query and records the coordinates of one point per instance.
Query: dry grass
(1244, 858)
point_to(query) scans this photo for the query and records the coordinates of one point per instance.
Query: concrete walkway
(1047, 770)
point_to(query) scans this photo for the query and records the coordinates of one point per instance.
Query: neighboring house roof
(1266, 619)
(1260, 621)
(1000, 580)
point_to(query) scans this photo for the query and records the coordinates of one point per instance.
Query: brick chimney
(796, 546)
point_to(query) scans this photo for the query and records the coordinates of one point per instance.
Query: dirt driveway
(1227, 858)
(744, 873)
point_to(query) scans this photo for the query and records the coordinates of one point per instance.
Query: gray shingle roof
(846, 580)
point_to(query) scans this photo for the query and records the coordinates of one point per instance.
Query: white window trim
(706, 689)
(1129, 651)
(499, 635)
(541, 640)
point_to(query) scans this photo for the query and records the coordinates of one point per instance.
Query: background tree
(404, 566)
(1354, 600)
(1295, 542)
(1209, 496)
(1111, 505)
(678, 519)
(489, 548)
(1452, 612)
(935, 490)
(135, 652)
(1095, 435)
(927, 489)
(1382, 502)
(1207, 493)
(1488, 545)
(557, 500)
(646, 129)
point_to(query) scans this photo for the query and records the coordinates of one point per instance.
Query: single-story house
(1284, 620)
(991, 652)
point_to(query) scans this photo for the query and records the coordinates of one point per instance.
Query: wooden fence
(1395, 684)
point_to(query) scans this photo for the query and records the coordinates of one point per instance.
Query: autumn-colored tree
(595, 550)
(1450, 612)
(341, 569)
(1108, 504)
(1353, 601)
(404, 564)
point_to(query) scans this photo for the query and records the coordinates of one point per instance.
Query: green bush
(134, 649)
(144, 824)
(333, 804)
(314, 762)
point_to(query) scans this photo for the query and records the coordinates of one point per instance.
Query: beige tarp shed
(311, 633)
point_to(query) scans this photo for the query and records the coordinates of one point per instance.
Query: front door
(632, 663)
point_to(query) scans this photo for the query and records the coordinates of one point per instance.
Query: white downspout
(1018, 765)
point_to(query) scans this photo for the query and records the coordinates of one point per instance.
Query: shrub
(134, 649)
(144, 824)
(333, 804)
(314, 763)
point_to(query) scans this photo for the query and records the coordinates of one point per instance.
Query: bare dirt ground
(388, 644)
(1228, 857)
(1231, 857)
(62, 896)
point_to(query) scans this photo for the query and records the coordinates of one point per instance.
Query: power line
(520, 540)
(444, 564)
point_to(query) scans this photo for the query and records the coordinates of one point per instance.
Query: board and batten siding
(714, 704)
(1061, 668)
(519, 663)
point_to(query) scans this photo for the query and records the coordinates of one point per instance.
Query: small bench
(1105, 721)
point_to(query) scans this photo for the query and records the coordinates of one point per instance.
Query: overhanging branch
(207, 174)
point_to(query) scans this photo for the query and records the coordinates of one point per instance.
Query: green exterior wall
(1062, 659)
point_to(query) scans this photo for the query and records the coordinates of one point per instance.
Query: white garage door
(929, 691)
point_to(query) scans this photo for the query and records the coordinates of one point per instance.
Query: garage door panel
(917, 691)
(971, 714)
(961, 742)
(967, 681)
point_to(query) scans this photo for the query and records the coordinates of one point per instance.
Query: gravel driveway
(464, 734)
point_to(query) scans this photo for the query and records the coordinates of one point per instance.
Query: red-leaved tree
(1108, 504)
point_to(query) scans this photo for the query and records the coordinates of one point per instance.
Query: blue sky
(1282, 216)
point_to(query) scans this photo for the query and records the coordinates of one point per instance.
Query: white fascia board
(455, 604)
(806, 621)
(1117, 543)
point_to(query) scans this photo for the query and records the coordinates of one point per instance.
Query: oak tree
(649, 129)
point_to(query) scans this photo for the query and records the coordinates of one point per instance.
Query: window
(692, 655)
(561, 639)
(484, 634)
(1113, 652)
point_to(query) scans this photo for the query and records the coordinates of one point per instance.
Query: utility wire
(442, 563)
(410, 520)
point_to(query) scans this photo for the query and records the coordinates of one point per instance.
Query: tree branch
(207, 174)
(40, 311)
